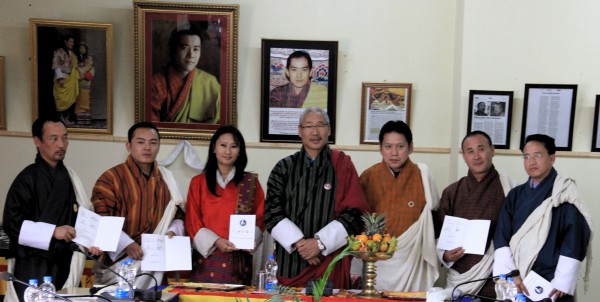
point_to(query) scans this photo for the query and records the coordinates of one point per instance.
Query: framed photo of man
(383, 102)
(550, 109)
(596, 137)
(491, 112)
(296, 75)
(71, 73)
(186, 67)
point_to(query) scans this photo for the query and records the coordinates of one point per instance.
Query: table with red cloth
(249, 294)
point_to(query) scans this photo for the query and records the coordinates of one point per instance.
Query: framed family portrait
(491, 112)
(71, 73)
(296, 75)
(550, 109)
(186, 67)
(383, 102)
(596, 137)
(2, 95)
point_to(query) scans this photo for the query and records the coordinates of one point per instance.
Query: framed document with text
(491, 112)
(550, 109)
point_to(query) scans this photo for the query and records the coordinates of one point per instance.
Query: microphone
(6, 276)
(513, 273)
(75, 248)
(482, 298)
(94, 290)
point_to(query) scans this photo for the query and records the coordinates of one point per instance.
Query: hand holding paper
(99, 231)
(470, 234)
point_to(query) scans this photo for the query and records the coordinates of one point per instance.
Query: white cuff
(204, 242)
(333, 236)
(178, 227)
(287, 233)
(504, 262)
(124, 241)
(440, 254)
(566, 274)
(36, 234)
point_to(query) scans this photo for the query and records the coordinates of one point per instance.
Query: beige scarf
(415, 265)
(529, 239)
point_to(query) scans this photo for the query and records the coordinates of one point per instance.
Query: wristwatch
(320, 244)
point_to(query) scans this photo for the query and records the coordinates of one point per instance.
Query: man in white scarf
(544, 225)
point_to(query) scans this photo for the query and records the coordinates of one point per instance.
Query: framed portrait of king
(186, 67)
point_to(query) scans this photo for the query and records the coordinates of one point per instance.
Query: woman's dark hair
(82, 57)
(211, 163)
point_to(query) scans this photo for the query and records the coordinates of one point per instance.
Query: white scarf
(78, 259)
(484, 267)
(526, 243)
(415, 265)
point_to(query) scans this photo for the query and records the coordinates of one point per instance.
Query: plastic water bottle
(123, 289)
(49, 287)
(271, 269)
(131, 272)
(520, 298)
(511, 289)
(32, 294)
(499, 287)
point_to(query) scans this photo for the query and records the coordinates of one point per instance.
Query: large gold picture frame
(71, 65)
(2, 95)
(188, 100)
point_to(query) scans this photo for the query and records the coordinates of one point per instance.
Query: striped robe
(312, 195)
(126, 192)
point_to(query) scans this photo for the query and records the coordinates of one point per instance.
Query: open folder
(470, 234)
(100, 231)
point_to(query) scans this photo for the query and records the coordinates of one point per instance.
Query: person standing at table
(40, 212)
(314, 201)
(221, 190)
(544, 225)
(479, 195)
(142, 192)
(406, 193)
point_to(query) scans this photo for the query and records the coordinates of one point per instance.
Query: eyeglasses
(318, 127)
(535, 156)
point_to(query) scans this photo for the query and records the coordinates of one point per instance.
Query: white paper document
(470, 234)
(162, 253)
(100, 231)
(538, 287)
(241, 231)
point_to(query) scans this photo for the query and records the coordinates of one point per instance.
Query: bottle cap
(33, 282)
(271, 257)
(47, 278)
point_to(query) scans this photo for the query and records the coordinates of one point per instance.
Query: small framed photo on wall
(491, 112)
(596, 137)
(296, 75)
(383, 102)
(550, 109)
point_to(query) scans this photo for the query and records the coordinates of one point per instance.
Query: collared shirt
(223, 182)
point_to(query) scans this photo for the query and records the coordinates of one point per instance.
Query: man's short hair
(299, 54)
(37, 128)
(147, 125)
(176, 34)
(544, 139)
(318, 110)
(399, 127)
(473, 133)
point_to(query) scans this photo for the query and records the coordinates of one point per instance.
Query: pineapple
(374, 224)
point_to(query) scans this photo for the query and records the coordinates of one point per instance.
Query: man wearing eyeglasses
(544, 225)
(40, 212)
(314, 201)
